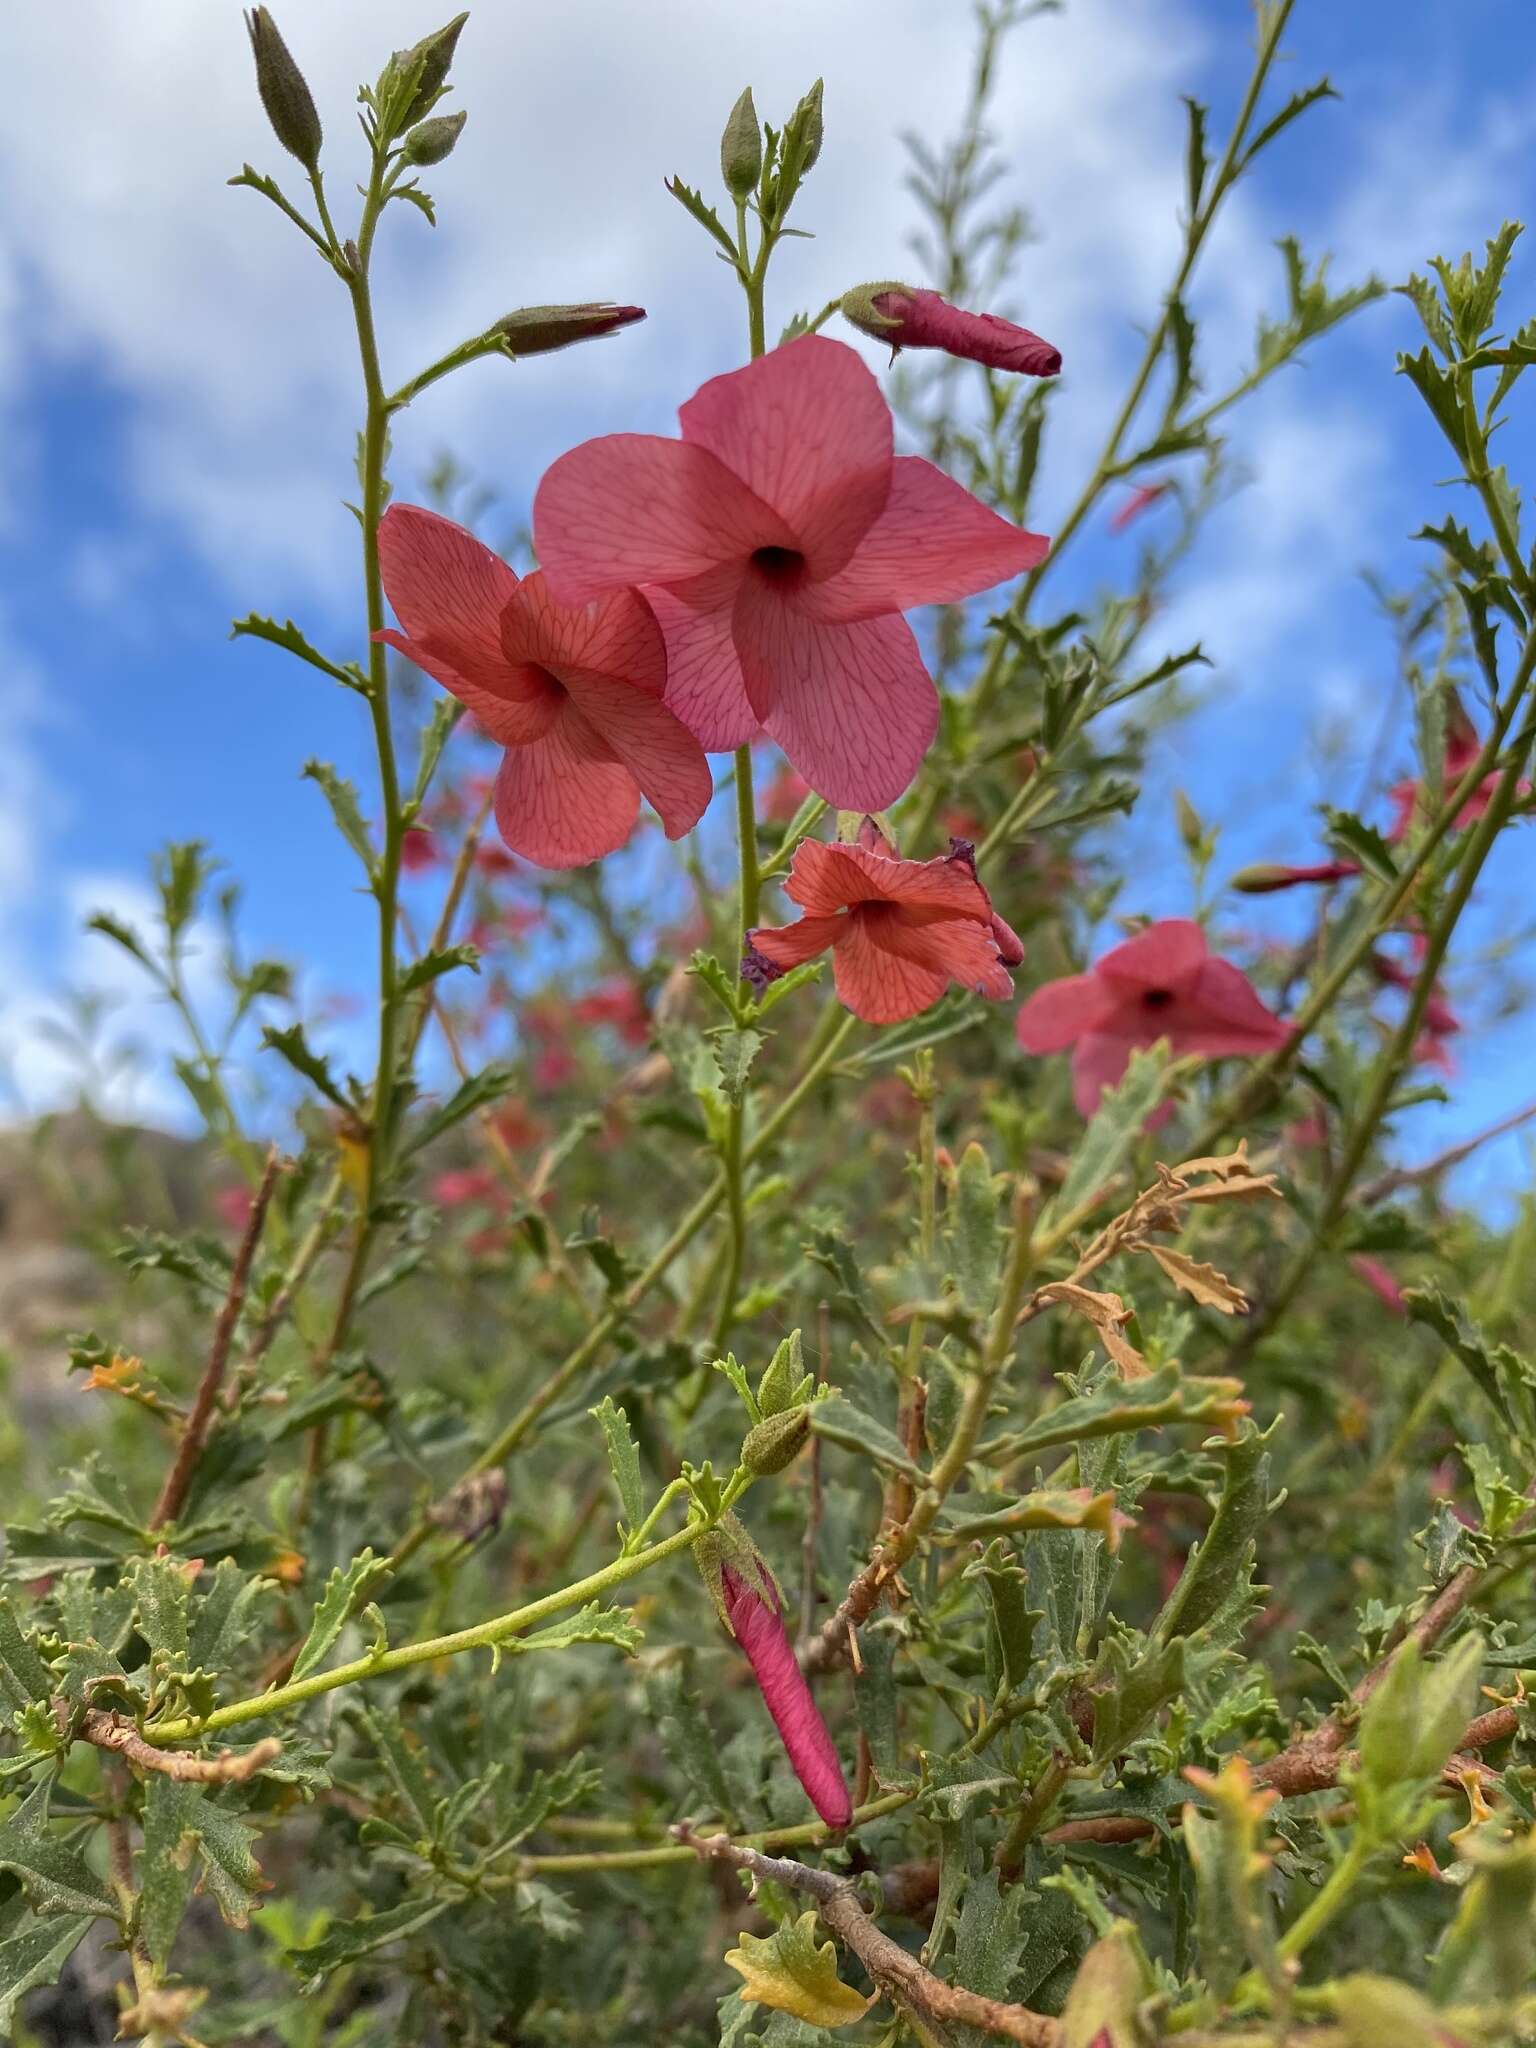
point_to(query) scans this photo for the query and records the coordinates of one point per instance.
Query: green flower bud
(781, 1385)
(741, 148)
(777, 1442)
(288, 101)
(430, 141)
(859, 308)
(434, 53)
(535, 330)
(808, 117)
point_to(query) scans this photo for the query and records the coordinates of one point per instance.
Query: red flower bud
(535, 330)
(907, 317)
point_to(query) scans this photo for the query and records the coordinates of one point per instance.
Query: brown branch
(900, 1976)
(1411, 1176)
(118, 1733)
(173, 1493)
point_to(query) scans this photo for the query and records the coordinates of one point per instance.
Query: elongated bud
(741, 148)
(430, 141)
(1267, 877)
(535, 330)
(434, 54)
(288, 101)
(808, 116)
(777, 1442)
(907, 316)
(786, 1383)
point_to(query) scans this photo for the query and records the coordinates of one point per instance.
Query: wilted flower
(1161, 984)
(574, 695)
(778, 542)
(900, 931)
(908, 317)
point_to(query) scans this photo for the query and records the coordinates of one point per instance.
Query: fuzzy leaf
(623, 1457)
(346, 1941)
(34, 1957)
(56, 1878)
(345, 1591)
(792, 1972)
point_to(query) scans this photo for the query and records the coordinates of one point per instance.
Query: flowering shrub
(960, 1551)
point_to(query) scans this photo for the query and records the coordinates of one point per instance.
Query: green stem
(484, 1635)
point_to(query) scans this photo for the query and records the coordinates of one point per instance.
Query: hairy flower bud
(289, 104)
(808, 116)
(430, 141)
(535, 330)
(908, 317)
(1268, 876)
(434, 55)
(741, 148)
(776, 1442)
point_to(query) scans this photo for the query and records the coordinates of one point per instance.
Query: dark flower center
(548, 682)
(778, 565)
(1156, 998)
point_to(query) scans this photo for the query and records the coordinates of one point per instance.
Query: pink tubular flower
(778, 543)
(1160, 984)
(900, 931)
(1132, 507)
(574, 695)
(907, 317)
(1380, 1281)
(759, 1627)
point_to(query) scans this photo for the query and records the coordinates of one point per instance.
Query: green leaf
(975, 1232)
(593, 1623)
(348, 1941)
(407, 1771)
(1504, 1376)
(342, 798)
(478, 1092)
(1225, 1557)
(1005, 1583)
(623, 1457)
(1486, 1952)
(1363, 843)
(1116, 1125)
(691, 1745)
(122, 934)
(1195, 162)
(161, 1597)
(693, 202)
(35, 1957)
(840, 1422)
(423, 972)
(292, 1045)
(1293, 109)
(1414, 1718)
(23, 1674)
(55, 1878)
(446, 713)
(1129, 1694)
(345, 1590)
(1438, 390)
(1117, 1408)
(734, 1052)
(787, 984)
(170, 1837)
(288, 637)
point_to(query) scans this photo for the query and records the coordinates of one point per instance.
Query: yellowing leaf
(1210, 1288)
(794, 1973)
(1106, 1312)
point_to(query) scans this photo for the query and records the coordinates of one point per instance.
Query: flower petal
(933, 544)
(852, 706)
(791, 945)
(1223, 1014)
(444, 586)
(960, 948)
(615, 635)
(656, 748)
(808, 428)
(496, 704)
(634, 508)
(1162, 956)
(1060, 1012)
(824, 877)
(880, 985)
(704, 682)
(559, 806)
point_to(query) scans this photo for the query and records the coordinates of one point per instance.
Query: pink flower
(907, 317)
(1133, 506)
(418, 850)
(759, 1627)
(778, 542)
(618, 1004)
(1440, 1020)
(494, 860)
(574, 695)
(1462, 747)
(459, 1187)
(232, 1206)
(1379, 1280)
(1160, 984)
(900, 931)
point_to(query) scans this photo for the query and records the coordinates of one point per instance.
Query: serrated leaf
(1202, 1283)
(55, 1878)
(345, 1590)
(23, 1674)
(347, 1941)
(1114, 1128)
(35, 1957)
(478, 1092)
(1502, 1374)
(161, 1598)
(342, 798)
(1117, 1408)
(734, 1052)
(593, 1623)
(1218, 1562)
(686, 1736)
(423, 972)
(291, 1044)
(623, 1458)
(292, 641)
(790, 1971)
(840, 1422)
(1363, 843)
(976, 1233)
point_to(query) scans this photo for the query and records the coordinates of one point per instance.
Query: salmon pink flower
(757, 1624)
(1163, 983)
(900, 931)
(907, 317)
(573, 694)
(1462, 747)
(778, 543)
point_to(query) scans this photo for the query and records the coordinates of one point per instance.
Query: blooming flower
(900, 931)
(1161, 984)
(909, 318)
(777, 543)
(1462, 747)
(758, 1626)
(573, 694)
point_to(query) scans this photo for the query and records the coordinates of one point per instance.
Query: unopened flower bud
(908, 317)
(1268, 876)
(287, 99)
(535, 330)
(434, 54)
(773, 1444)
(808, 114)
(430, 141)
(741, 148)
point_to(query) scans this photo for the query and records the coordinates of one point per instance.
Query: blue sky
(177, 405)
